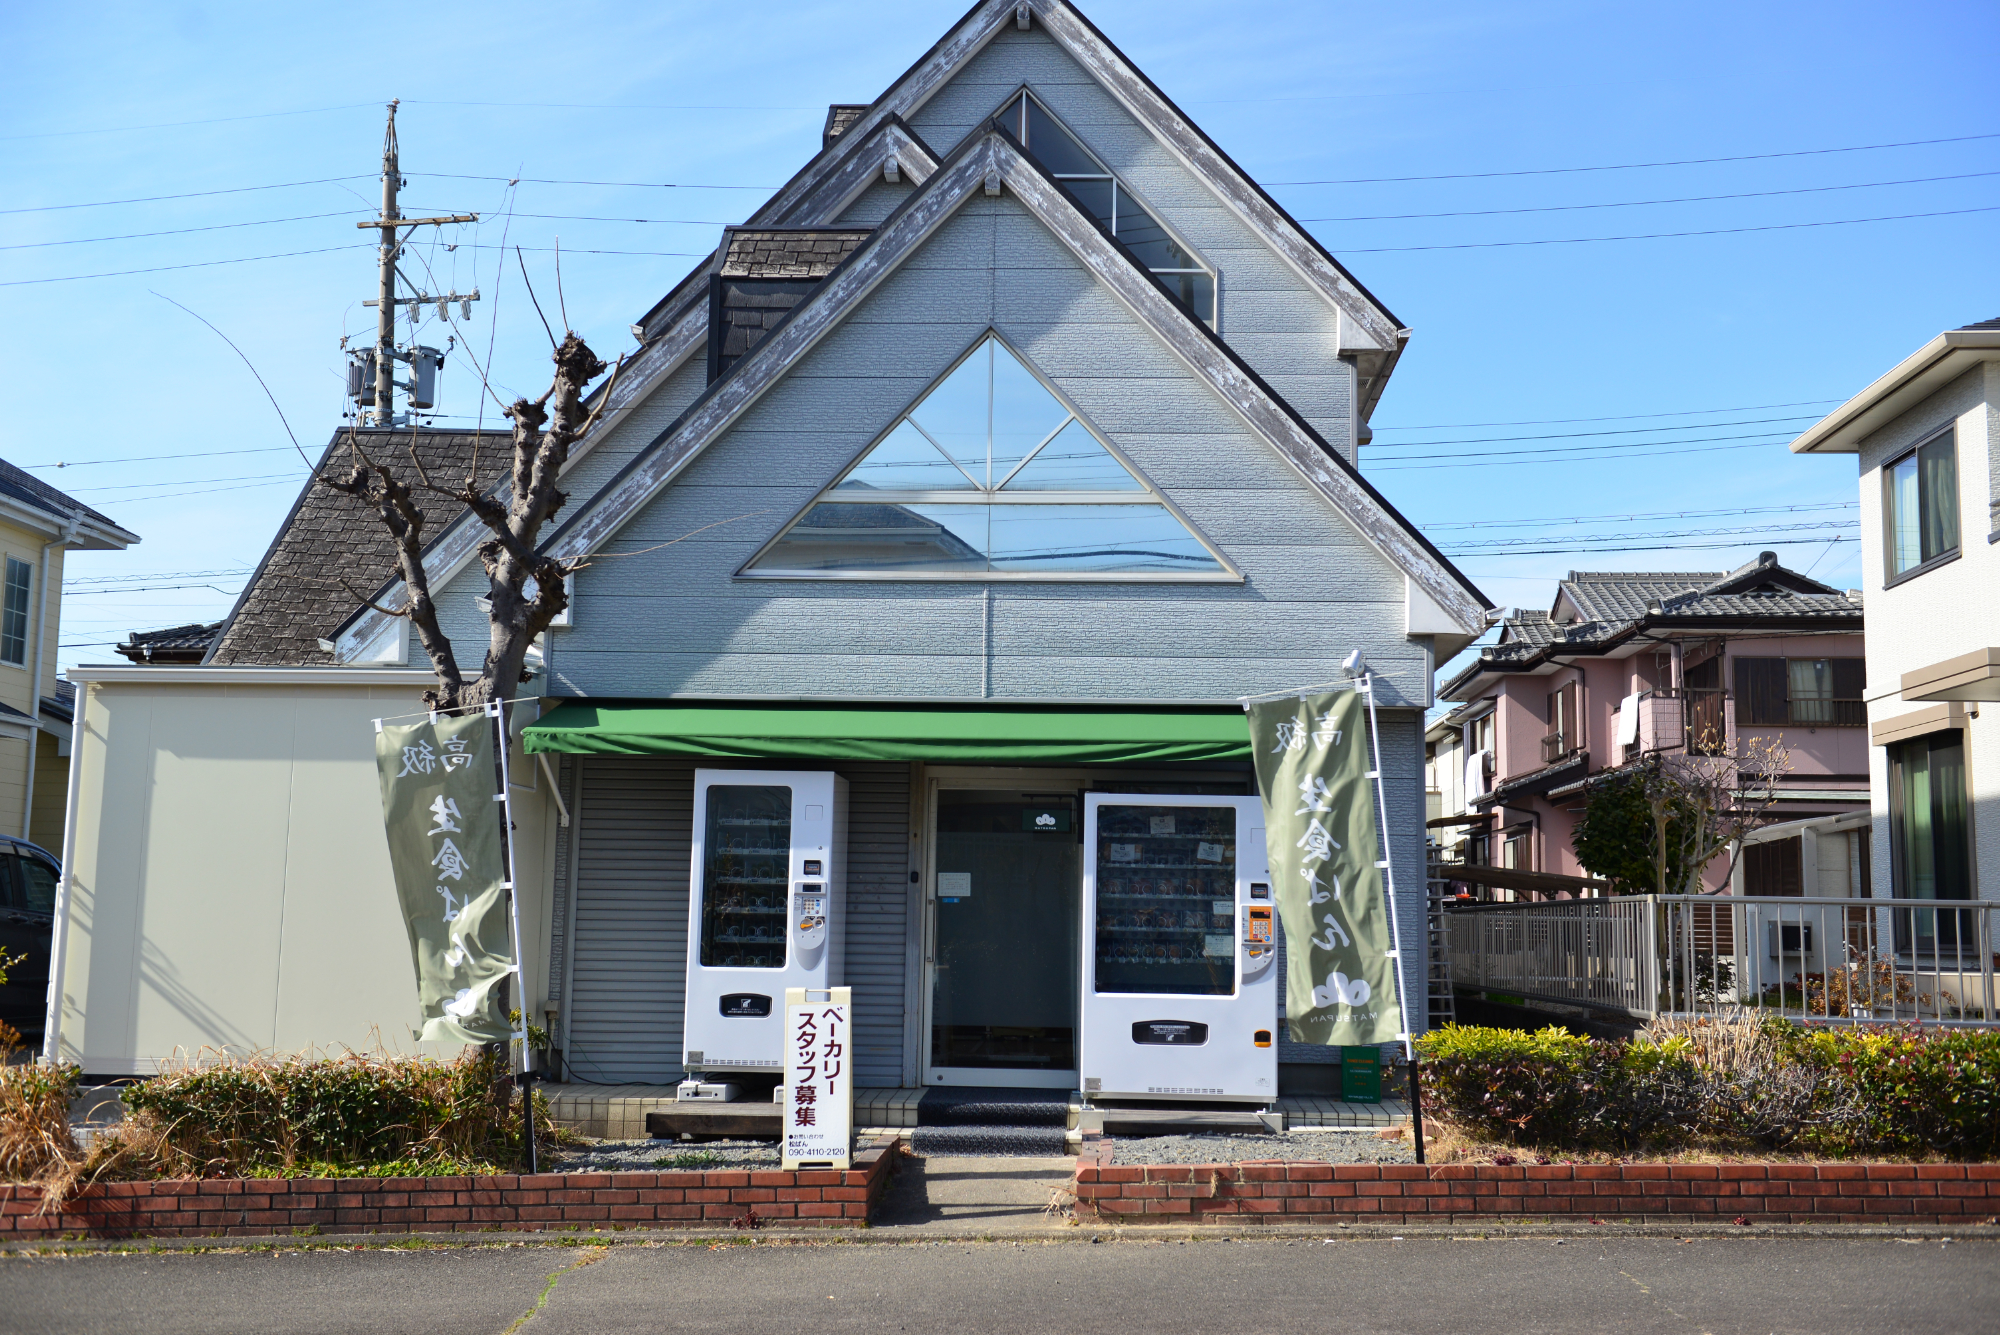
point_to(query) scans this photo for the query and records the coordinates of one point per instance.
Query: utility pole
(386, 301)
(385, 317)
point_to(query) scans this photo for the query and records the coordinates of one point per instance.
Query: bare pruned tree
(544, 430)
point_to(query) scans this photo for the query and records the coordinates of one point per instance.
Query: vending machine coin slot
(1260, 946)
(811, 914)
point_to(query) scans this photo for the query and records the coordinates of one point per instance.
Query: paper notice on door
(954, 885)
(1163, 825)
(1208, 852)
(1218, 946)
(1124, 852)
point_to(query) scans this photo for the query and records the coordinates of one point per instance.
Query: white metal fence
(1812, 960)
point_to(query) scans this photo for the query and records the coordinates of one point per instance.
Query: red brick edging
(262, 1206)
(1281, 1193)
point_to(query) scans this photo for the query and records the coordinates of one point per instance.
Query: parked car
(28, 876)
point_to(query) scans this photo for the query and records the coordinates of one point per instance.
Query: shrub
(1919, 1089)
(279, 1116)
(1526, 1088)
(35, 1140)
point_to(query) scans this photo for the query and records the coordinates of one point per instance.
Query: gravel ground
(1316, 1146)
(643, 1156)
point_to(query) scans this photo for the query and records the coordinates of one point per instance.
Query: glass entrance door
(1005, 902)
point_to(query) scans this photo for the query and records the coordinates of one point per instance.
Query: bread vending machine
(1180, 979)
(765, 910)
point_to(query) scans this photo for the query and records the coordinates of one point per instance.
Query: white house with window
(1928, 439)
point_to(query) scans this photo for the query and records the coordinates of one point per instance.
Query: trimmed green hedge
(1747, 1084)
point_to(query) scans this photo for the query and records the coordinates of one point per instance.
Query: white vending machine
(1180, 978)
(765, 911)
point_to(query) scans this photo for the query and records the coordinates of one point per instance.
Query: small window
(14, 616)
(1104, 197)
(1923, 505)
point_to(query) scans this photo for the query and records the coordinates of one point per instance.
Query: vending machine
(1180, 979)
(765, 911)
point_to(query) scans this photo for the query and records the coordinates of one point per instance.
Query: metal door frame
(998, 778)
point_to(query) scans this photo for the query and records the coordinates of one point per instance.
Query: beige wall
(51, 791)
(17, 683)
(229, 879)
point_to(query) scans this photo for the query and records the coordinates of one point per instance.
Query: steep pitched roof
(990, 159)
(787, 252)
(296, 595)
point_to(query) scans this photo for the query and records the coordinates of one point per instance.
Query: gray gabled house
(988, 464)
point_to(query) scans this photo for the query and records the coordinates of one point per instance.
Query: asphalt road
(1630, 1285)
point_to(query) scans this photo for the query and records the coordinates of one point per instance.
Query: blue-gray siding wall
(1274, 320)
(875, 203)
(674, 621)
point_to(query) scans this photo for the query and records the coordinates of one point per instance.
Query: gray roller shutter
(628, 978)
(628, 982)
(878, 905)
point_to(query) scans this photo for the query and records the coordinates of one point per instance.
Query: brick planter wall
(262, 1206)
(1319, 1193)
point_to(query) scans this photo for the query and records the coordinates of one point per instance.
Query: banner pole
(1395, 917)
(524, 1077)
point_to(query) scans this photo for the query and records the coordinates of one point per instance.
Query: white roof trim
(137, 674)
(897, 239)
(1924, 371)
(822, 200)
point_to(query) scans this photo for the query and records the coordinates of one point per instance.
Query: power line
(1635, 166)
(1658, 236)
(1564, 451)
(1571, 435)
(1645, 203)
(1628, 417)
(181, 481)
(175, 125)
(192, 194)
(148, 500)
(149, 458)
(151, 588)
(1505, 544)
(1567, 458)
(165, 268)
(1663, 547)
(158, 574)
(179, 231)
(622, 185)
(1649, 517)
(601, 106)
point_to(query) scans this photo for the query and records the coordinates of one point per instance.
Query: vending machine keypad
(810, 914)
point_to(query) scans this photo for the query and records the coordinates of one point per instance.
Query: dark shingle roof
(838, 117)
(26, 487)
(175, 644)
(295, 596)
(1613, 604)
(788, 252)
(1983, 324)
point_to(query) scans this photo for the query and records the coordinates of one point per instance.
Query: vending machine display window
(746, 865)
(1166, 900)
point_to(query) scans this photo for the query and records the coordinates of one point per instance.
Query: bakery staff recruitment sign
(446, 848)
(1311, 753)
(818, 1092)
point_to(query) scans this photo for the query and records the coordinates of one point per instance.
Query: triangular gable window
(989, 475)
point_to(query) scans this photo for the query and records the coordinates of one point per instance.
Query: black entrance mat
(989, 1106)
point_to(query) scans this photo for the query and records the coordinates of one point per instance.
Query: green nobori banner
(1319, 820)
(445, 845)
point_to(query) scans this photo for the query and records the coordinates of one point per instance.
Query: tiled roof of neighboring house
(26, 487)
(1983, 324)
(838, 117)
(63, 703)
(788, 252)
(295, 596)
(1609, 606)
(175, 644)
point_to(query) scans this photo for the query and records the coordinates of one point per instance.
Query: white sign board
(819, 1077)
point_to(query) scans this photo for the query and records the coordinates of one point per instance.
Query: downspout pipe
(63, 539)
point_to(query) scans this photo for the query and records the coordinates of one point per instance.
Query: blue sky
(1706, 352)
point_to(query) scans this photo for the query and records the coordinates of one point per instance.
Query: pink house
(1623, 665)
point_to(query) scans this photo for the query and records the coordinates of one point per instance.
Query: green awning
(953, 734)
